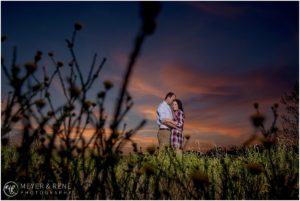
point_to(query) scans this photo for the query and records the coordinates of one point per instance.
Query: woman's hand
(166, 121)
(170, 123)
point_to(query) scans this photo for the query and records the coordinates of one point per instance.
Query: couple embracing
(170, 119)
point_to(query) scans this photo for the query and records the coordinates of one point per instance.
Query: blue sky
(218, 57)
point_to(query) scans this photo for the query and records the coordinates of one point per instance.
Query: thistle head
(108, 84)
(187, 136)
(50, 113)
(257, 119)
(4, 141)
(36, 87)
(131, 165)
(199, 178)
(149, 11)
(30, 67)
(254, 169)
(77, 26)
(38, 56)
(75, 91)
(50, 54)
(87, 104)
(149, 169)
(40, 103)
(135, 149)
(3, 38)
(101, 94)
(267, 142)
(60, 64)
(151, 149)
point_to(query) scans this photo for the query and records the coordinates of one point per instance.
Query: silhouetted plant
(277, 188)
(56, 133)
(290, 124)
(269, 135)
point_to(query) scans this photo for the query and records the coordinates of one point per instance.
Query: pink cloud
(220, 8)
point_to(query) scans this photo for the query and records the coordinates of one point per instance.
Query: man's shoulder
(161, 105)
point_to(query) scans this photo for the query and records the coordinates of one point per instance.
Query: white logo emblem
(10, 189)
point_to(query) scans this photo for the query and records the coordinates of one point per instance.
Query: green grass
(252, 173)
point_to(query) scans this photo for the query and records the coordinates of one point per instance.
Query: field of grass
(254, 172)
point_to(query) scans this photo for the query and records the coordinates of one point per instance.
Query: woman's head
(177, 104)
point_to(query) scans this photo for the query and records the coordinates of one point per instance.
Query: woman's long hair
(179, 103)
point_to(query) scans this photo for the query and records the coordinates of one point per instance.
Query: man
(164, 111)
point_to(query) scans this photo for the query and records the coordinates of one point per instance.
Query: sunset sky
(218, 57)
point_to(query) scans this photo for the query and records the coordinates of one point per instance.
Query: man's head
(170, 97)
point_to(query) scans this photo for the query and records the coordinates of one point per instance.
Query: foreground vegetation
(255, 172)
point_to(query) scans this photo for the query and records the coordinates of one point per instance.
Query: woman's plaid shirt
(176, 134)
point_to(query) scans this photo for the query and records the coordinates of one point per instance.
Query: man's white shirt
(163, 112)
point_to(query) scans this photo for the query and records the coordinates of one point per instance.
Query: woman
(176, 124)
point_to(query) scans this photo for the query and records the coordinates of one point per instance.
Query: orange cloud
(148, 110)
(217, 105)
(140, 87)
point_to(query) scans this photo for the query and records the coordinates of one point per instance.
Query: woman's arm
(170, 123)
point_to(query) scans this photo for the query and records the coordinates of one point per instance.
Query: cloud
(141, 87)
(191, 80)
(217, 104)
(220, 8)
